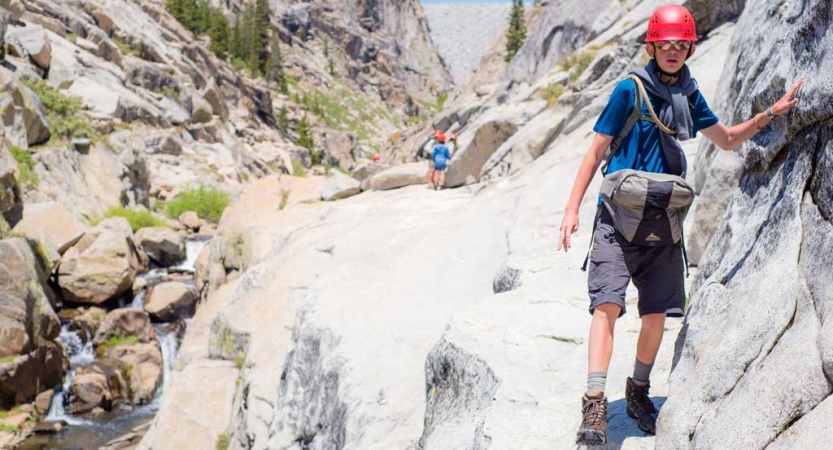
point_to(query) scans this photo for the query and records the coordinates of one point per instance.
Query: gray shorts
(657, 272)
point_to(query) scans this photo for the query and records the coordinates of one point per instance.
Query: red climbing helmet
(441, 138)
(671, 23)
(376, 157)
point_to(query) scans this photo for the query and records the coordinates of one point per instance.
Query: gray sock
(596, 383)
(642, 371)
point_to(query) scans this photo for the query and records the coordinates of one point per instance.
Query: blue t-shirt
(440, 154)
(641, 150)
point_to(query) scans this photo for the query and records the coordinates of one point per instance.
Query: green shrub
(223, 441)
(577, 63)
(25, 165)
(136, 217)
(6, 428)
(65, 118)
(552, 93)
(298, 170)
(208, 202)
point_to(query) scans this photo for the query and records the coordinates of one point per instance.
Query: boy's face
(670, 60)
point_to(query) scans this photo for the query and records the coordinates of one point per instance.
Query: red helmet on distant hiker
(441, 137)
(671, 23)
(376, 157)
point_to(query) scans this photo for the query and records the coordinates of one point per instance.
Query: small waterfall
(80, 353)
(139, 300)
(169, 346)
(193, 247)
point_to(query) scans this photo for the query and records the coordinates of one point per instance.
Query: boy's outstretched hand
(789, 100)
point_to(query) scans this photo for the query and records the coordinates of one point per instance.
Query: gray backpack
(647, 208)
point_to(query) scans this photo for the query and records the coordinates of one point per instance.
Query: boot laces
(595, 412)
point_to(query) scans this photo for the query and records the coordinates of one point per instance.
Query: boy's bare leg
(600, 345)
(441, 177)
(431, 178)
(650, 337)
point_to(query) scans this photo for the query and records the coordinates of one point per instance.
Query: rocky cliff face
(464, 32)
(753, 363)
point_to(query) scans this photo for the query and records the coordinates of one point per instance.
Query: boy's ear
(649, 48)
(693, 48)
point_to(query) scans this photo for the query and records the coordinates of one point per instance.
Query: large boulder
(398, 176)
(339, 147)
(101, 266)
(145, 374)
(367, 170)
(52, 226)
(214, 96)
(31, 359)
(34, 42)
(339, 185)
(102, 384)
(171, 300)
(201, 110)
(126, 323)
(8, 169)
(163, 245)
(27, 320)
(468, 162)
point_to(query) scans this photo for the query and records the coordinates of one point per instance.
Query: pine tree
(326, 48)
(261, 36)
(305, 136)
(283, 119)
(516, 34)
(276, 72)
(236, 46)
(219, 33)
(331, 66)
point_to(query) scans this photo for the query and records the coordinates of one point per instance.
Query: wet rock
(125, 323)
(144, 369)
(22, 378)
(162, 245)
(8, 168)
(101, 384)
(87, 323)
(171, 300)
(49, 427)
(43, 401)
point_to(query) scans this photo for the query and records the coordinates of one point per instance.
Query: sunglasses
(677, 45)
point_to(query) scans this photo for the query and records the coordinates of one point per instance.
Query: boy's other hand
(569, 225)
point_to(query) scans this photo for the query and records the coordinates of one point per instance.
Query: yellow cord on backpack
(654, 117)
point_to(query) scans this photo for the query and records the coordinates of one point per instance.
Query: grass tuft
(207, 201)
(136, 217)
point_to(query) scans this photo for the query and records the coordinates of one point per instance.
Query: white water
(79, 355)
(193, 247)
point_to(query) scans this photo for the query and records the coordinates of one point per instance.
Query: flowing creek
(83, 432)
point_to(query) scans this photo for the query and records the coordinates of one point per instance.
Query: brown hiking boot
(594, 425)
(640, 406)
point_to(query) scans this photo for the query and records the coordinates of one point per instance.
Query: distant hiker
(453, 141)
(376, 158)
(646, 116)
(440, 156)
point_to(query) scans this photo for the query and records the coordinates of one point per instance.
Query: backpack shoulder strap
(632, 119)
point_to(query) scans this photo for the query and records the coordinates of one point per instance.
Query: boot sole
(591, 438)
(638, 425)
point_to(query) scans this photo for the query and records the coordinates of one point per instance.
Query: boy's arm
(589, 165)
(728, 138)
